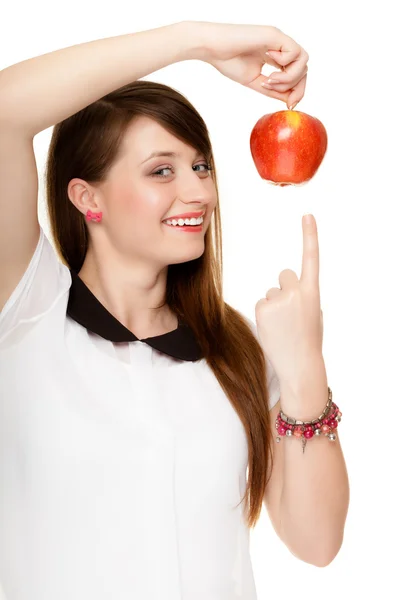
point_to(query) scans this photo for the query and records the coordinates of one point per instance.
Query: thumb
(270, 61)
(283, 58)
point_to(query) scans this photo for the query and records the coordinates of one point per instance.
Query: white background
(353, 89)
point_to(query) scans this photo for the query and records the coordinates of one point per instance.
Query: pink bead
(282, 430)
(308, 434)
(325, 428)
(297, 432)
(333, 423)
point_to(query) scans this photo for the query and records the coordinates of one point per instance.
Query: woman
(133, 397)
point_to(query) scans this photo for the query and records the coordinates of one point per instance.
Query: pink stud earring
(90, 216)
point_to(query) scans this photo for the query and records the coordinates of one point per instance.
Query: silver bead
(317, 431)
(289, 432)
(331, 437)
(278, 439)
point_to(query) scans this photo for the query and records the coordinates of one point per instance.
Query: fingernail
(293, 106)
(308, 219)
(266, 85)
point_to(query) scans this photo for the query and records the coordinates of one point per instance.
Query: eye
(158, 173)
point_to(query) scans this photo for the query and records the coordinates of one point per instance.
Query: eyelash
(156, 173)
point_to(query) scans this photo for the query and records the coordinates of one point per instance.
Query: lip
(187, 215)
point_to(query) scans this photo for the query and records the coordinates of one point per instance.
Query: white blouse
(121, 460)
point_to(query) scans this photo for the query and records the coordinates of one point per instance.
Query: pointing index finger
(310, 264)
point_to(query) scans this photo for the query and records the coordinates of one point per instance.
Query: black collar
(87, 310)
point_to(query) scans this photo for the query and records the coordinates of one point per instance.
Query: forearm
(315, 496)
(42, 91)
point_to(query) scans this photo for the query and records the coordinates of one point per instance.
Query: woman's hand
(290, 321)
(239, 52)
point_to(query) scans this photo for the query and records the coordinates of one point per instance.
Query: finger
(285, 57)
(257, 87)
(288, 279)
(293, 71)
(272, 293)
(294, 94)
(297, 93)
(310, 264)
(283, 96)
(290, 97)
(278, 84)
(270, 61)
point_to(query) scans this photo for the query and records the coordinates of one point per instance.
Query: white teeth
(192, 221)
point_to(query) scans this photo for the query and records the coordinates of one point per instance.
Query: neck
(132, 295)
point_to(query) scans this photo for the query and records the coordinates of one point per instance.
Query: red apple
(288, 147)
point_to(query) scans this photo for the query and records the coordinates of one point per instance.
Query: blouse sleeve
(272, 378)
(43, 282)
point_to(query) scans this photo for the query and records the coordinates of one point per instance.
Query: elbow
(318, 557)
(324, 561)
(325, 558)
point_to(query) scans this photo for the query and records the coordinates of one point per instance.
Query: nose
(196, 192)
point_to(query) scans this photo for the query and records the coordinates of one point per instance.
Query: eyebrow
(166, 153)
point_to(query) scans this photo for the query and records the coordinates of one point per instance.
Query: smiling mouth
(189, 216)
(193, 228)
(183, 219)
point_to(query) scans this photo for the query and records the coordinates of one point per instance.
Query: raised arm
(39, 92)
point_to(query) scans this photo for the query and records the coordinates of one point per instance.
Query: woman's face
(140, 193)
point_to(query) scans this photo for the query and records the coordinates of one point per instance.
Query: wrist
(305, 400)
(304, 409)
(195, 40)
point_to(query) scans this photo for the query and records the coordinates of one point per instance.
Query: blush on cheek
(129, 211)
(132, 204)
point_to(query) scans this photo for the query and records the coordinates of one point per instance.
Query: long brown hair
(85, 145)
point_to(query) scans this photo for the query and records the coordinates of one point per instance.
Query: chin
(185, 257)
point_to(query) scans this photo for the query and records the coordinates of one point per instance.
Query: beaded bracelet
(326, 423)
